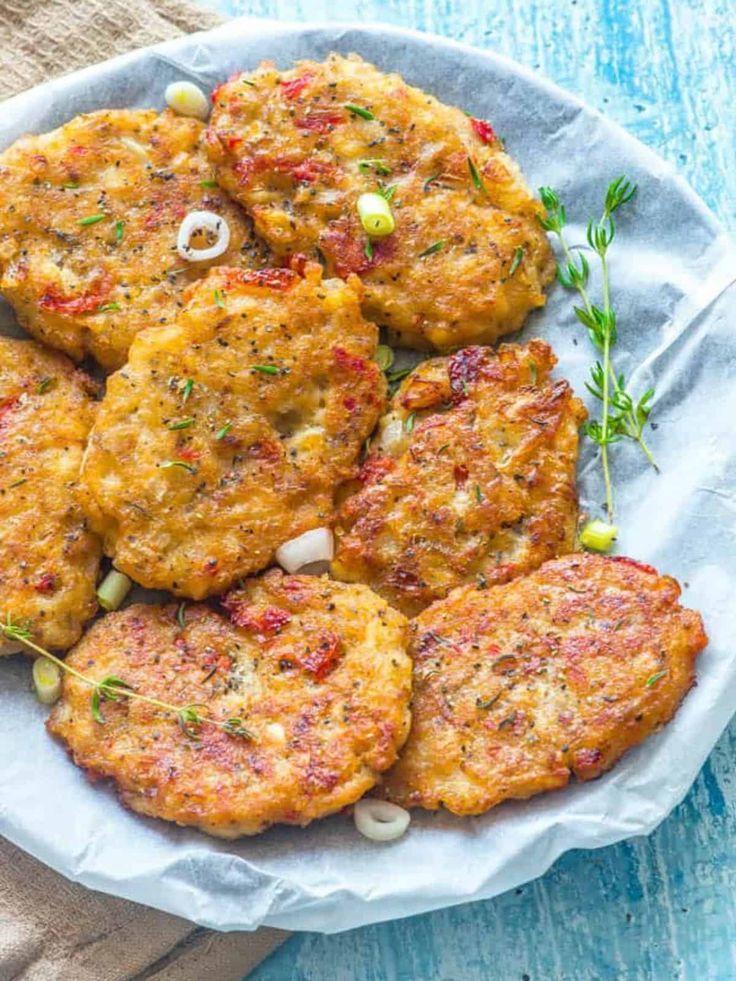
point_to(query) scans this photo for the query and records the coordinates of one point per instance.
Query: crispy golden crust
(288, 149)
(518, 686)
(316, 670)
(48, 558)
(258, 455)
(472, 475)
(88, 289)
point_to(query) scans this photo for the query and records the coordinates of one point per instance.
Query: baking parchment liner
(673, 272)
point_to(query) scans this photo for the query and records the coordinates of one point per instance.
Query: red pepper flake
(210, 565)
(641, 566)
(375, 468)
(350, 403)
(585, 760)
(310, 170)
(296, 262)
(319, 121)
(295, 86)
(460, 474)
(351, 362)
(188, 453)
(46, 583)
(265, 449)
(345, 250)
(165, 209)
(6, 408)
(483, 130)
(325, 657)
(463, 368)
(274, 279)
(71, 306)
(263, 622)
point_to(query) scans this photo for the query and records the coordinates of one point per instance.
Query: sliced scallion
(598, 535)
(375, 214)
(113, 589)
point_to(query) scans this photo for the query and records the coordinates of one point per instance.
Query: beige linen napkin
(51, 928)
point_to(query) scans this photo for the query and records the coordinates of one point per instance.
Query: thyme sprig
(622, 415)
(113, 689)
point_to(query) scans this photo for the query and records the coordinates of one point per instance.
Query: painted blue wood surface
(659, 908)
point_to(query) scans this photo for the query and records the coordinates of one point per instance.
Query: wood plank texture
(656, 908)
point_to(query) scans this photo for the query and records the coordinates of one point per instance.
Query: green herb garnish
(434, 247)
(181, 424)
(653, 679)
(222, 433)
(44, 385)
(516, 261)
(368, 249)
(409, 422)
(218, 299)
(380, 167)
(622, 416)
(188, 387)
(477, 182)
(478, 493)
(92, 219)
(359, 111)
(388, 191)
(431, 180)
(268, 369)
(182, 464)
(486, 703)
(208, 183)
(108, 306)
(119, 231)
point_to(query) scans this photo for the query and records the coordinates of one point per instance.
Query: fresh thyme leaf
(359, 111)
(182, 464)
(268, 369)
(431, 180)
(368, 250)
(15, 631)
(190, 721)
(434, 247)
(409, 422)
(95, 707)
(71, 185)
(108, 306)
(486, 703)
(388, 191)
(653, 679)
(375, 164)
(475, 176)
(235, 727)
(222, 433)
(508, 721)
(218, 299)
(44, 385)
(119, 231)
(478, 493)
(205, 184)
(516, 261)
(188, 386)
(92, 219)
(181, 424)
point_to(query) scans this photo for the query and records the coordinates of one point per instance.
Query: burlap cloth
(51, 928)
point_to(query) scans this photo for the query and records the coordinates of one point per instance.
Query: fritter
(472, 475)
(48, 557)
(519, 686)
(315, 672)
(89, 216)
(227, 432)
(468, 260)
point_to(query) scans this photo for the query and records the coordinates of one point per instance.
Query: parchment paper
(673, 272)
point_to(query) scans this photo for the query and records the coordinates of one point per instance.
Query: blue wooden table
(657, 908)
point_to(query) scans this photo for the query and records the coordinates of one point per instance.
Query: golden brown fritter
(519, 686)
(48, 558)
(89, 216)
(315, 670)
(472, 475)
(468, 259)
(227, 432)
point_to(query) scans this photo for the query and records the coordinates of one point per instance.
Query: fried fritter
(48, 558)
(468, 259)
(519, 686)
(316, 672)
(227, 433)
(471, 476)
(89, 216)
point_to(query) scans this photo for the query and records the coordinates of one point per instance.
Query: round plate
(672, 270)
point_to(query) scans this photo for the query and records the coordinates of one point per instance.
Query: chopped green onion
(168, 464)
(374, 163)
(265, 369)
(653, 679)
(18, 483)
(359, 111)
(108, 306)
(44, 385)
(222, 433)
(384, 357)
(533, 371)
(388, 191)
(181, 424)
(368, 250)
(394, 376)
(434, 247)
(46, 681)
(92, 219)
(247, 81)
(71, 185)
(477, 182)
(409, 422)
(113, 589)
(208, 183)
(516, 261)
(598, 535)
(181, 615)
(375, 214)
(478, 493)
(119, 230)
(218, 299)
(188, 386)
(431, 180)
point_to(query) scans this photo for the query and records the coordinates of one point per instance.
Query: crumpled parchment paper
(673, 272)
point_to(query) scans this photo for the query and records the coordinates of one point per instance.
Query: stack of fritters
(243, 414)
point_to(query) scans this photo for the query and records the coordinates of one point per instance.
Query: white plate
(672, 273)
